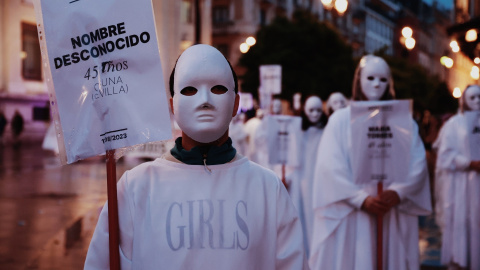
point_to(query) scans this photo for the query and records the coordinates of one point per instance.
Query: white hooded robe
(344, 236)
(457, 195)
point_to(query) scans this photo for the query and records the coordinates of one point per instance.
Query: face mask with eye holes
(313, 109)
(204, 96)
(472, 97)
(374, 78)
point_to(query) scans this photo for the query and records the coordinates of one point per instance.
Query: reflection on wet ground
(48, 212)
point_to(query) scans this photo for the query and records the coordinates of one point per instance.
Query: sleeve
(415, 192)
(98, 251)
(290, 252)
(450, 157)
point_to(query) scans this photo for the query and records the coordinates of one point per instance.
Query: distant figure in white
(457, 185)
(314, 121)
(344, 228)
(336, 101)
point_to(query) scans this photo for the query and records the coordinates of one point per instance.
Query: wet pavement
(48, 212)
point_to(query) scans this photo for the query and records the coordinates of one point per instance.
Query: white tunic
(178, 216)
(344, 236)
(457, 195)
(301, 184)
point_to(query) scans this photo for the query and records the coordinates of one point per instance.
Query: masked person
(202, 206)
(457, 186)
(336, 101)
(344, 228)
(314, 121)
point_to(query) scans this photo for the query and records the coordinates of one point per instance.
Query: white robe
(344, 236)
(301, 184)
(457, 192)
(178, 216)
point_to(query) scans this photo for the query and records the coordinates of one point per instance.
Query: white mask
(313, 109)
(276, 106)
(472, 97)
(204, 96)
(374, 78)
(337, 101)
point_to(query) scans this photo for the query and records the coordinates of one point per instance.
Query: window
(31, 58)
(186, 12)
(220, 15)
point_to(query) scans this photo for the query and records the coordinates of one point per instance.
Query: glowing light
(453, 44)
(244, 47)
(446, 61)
(455, 49)
(475, 73)
(341, 6)
(407, 32)
(476, 60)
(23, 55)
(251, 41)
(456, 92)
(327, 3)
(471, 35)
(410, 43)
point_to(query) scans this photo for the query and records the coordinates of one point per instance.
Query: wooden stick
(113, 229)
(379, 233)
(284, 181)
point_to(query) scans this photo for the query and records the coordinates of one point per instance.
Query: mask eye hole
(219, 89)
(188, 91)
(370, 78)
(384, 80)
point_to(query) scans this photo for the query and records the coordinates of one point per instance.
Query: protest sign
(270, 84)
(473, 133)
(381, 140)
(283, 133)
(103, 72)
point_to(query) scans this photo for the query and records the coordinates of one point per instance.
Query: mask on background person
(337, 101)
(204, 99)
(472, 97)
(374, 78)
(276, 106)
(313, 109)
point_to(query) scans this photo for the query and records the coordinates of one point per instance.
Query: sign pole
(284, 181)
(112, 211)
(379, 232)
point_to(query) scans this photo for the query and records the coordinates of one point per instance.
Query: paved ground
(48, 212)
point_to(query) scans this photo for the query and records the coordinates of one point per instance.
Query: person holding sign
(336, 101)
(457, 184)
(202, 206)
(346, 208)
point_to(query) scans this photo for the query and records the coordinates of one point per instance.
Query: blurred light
(184, 44)
(341, 6)
(23, 55)
(446, 61)
(471, 35)
(455, 49)
(456, 92)
(453, 44)
(244, 47)
(327, 3)
(407, 32)
(410, 43)
(476, 60)
(475, 73)
(251, 41)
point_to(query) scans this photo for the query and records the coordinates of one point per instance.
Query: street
(48, 212)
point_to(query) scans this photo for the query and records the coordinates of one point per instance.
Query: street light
(456, 92)
(454, 46)
(244, 47)
(341, 6)
(476, 60)
(475, 73)
(446, 61)
(471, 35)
(407, 38)
(251, 41)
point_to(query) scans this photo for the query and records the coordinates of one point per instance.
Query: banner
(381, 140)
(271, 78)
(283, 136)
(473, 131)
(103, 72)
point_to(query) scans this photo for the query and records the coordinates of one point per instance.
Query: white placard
(473, 129)
(271, 79)
(381, 140)
(104, 75)
(283, 133)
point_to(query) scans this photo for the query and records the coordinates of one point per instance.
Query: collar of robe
(204, 155)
